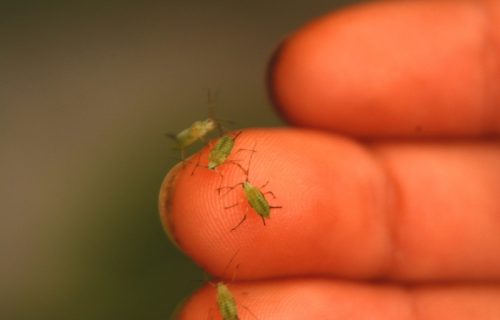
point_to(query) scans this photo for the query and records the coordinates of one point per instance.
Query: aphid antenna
(229, 264)
(173, 137)
(226, 269)
(250, 161)
(230, 188)
(221, 123)
(212, 96)
(197, 164)
(211, 105)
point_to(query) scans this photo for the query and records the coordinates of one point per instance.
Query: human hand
(401, 228)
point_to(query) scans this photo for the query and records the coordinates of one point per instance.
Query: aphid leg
(247, 309)
(263, 220)
(264, 185)
(233, 205)
(221, 177)
(237, 134)
(242, 220)
(275, 207)
(197, 164)
(271, 193)
(235, 162)
(244, 149)
(229, 187)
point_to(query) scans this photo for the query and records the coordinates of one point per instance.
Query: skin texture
(400, 228)
(392, 69)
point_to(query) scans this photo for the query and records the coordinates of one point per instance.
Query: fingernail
(167, 190)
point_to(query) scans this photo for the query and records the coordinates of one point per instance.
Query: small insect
(220, 153)
(254, 197)
(194, 133)
(226, 303)
(197, 131)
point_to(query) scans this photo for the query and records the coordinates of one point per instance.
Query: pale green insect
(194, 133)
(199, 130)
(220, 153)
(226, 303)
(254, 197)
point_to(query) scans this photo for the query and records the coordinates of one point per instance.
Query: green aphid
(226, 303)
(221, 151)
(194, 133)
(254, 197)
(199, 130)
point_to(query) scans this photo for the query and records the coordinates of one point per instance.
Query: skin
(374, 228)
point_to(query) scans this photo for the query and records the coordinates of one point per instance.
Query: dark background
(87, 91)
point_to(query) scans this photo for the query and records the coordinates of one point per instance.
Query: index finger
(406, 212)
(397, 69)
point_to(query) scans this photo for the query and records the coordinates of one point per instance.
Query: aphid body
(197, 131)
(256, 200)
(254, 197)
(226, 303)
(221, 151)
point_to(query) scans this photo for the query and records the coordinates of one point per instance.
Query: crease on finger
(393, 215)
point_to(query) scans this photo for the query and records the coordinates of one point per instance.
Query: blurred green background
(87, 91)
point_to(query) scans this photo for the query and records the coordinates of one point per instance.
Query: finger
(399, 69)
(412, 212)
(324, 299)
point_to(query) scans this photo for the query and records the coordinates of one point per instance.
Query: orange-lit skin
(402, 228)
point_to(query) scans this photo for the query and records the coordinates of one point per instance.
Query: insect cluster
(219, 154)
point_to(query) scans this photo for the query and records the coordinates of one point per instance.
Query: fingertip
(193, 211)
(167, 189)
(391, 69)
(324, 188)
